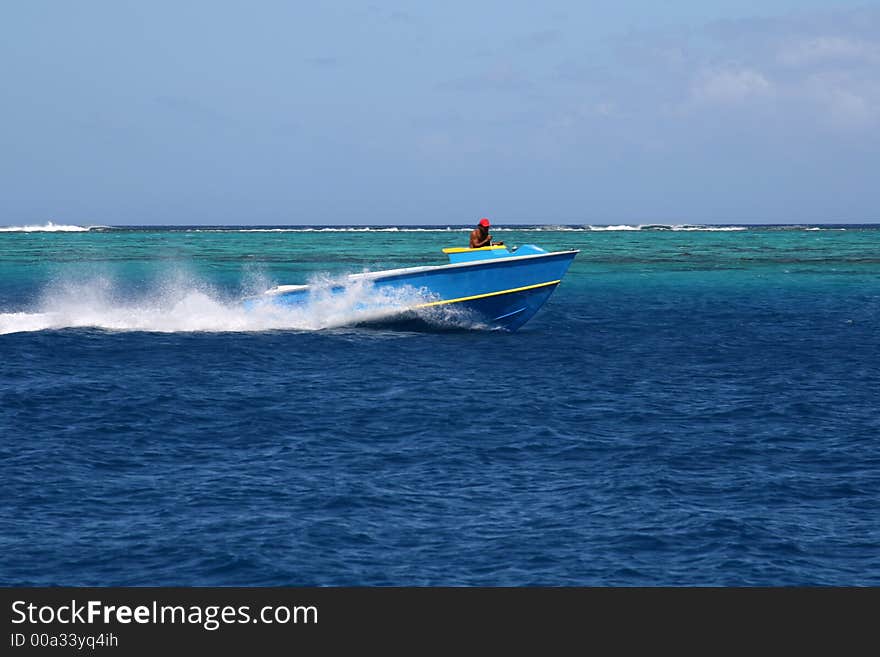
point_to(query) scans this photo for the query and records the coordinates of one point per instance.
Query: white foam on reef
(48, 227)
(331, 229)
(186, 306)
(661, 227)
(448, 229)
(498, 227)
(614, 228)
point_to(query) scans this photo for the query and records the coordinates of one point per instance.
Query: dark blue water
(657, 423)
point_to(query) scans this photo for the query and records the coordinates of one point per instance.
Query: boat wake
(189, 306)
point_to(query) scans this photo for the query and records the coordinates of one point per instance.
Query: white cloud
(842, 101)
(828, 49)
(605, 108)
(815, 69)
(847, 109)
(728, 86)
(538, 39)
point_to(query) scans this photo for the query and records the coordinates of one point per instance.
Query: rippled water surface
(693, 406)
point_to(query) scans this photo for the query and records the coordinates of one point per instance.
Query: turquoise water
(693, 405)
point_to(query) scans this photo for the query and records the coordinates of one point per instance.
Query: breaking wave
(672, 227)
(48, 227)
(450, 228)
(445, 229)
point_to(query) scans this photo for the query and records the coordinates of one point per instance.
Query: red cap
(484, 222)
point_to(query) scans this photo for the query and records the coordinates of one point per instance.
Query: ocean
(694, 406)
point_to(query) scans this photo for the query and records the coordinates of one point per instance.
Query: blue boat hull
(498, 289)
(508, 311)
(502, 294)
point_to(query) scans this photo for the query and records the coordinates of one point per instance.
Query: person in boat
(480, 235)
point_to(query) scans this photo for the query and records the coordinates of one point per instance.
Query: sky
(560, 112)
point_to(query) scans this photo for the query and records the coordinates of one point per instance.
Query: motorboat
(493, 286)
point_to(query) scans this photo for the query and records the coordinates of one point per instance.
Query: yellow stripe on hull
(465, 249)
(488, 294)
